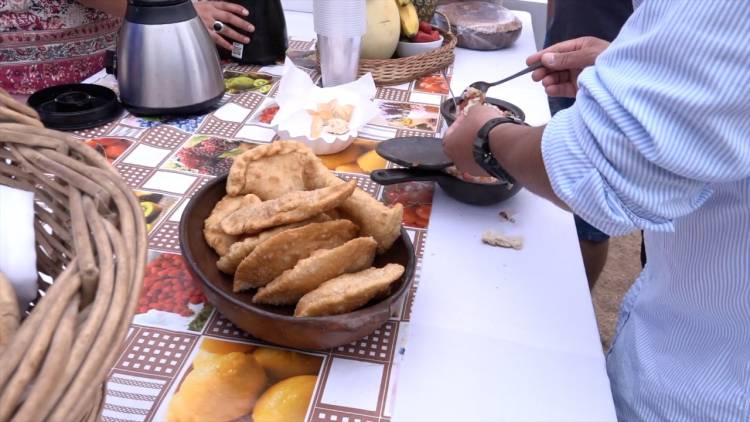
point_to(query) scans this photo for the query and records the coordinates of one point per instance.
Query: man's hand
(563, 62)
(228, 13)
(458, 142)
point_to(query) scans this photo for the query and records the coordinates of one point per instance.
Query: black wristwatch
(483, 154)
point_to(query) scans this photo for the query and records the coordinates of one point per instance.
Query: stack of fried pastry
(291, 229)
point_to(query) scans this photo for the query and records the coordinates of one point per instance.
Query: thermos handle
(110, 62)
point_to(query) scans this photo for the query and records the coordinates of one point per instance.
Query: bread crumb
(495, 239)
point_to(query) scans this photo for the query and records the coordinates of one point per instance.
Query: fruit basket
(405, 69)
(91, 254)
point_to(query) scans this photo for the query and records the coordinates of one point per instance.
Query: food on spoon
(281, 252)
(217, 238)
(286, 401)
(323, 265)
(224, 387)
(348, 292)
(496, 239)
(239, 250)
(470, 98)
(289, 208)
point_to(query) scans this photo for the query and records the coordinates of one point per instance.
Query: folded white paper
(297, 93)
(17, 243)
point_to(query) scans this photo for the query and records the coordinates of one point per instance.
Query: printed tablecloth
(176, 338)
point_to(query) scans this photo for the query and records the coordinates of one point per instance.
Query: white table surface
(499, 334)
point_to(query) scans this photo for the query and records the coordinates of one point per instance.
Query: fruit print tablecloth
(183, 359)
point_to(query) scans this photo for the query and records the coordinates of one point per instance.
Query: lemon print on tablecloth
(221, 387)
(280, 364)
(210, 348)
(286, 401)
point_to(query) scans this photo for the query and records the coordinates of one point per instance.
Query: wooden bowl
(276, 324)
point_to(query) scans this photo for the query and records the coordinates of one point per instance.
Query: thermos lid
(75, 106)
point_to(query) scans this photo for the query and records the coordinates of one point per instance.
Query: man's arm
(518, 151)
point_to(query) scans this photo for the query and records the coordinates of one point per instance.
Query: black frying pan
(424, 160)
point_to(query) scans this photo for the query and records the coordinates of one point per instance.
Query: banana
(409, 20)
(402, 2)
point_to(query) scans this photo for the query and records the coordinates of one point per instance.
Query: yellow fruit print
(286, 401)
(232, 381)
(280, 364)
(223, 387)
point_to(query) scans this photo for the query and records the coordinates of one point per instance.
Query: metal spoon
(484, 86)
(448, 82)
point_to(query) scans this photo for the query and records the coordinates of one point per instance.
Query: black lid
(415, 152)
(75, 106)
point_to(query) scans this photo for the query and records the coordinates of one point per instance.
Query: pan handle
(393, 176)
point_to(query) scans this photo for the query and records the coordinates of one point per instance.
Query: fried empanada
(373, 217)
(270, 171)
(239, 250)
(309, 273)
(281, 252)
(215, 236)
(348, 292)
(289, 208)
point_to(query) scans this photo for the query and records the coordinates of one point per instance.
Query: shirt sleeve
(661, 118)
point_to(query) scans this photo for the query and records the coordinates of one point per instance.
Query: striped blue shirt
(659, 140)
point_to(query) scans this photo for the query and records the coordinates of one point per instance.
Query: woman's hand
(231, 15)
(458, 142)
(563, 62)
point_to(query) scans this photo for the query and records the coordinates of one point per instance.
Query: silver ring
(218, 26)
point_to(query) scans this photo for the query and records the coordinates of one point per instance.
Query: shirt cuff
(578, 182)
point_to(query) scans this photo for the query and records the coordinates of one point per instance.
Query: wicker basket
(91, 250)
(406, 69)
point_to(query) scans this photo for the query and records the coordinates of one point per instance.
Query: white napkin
(297, 93)
(17, 243)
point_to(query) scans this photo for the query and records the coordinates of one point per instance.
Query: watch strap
(483, 154)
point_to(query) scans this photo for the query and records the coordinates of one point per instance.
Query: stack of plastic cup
(340, 25)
